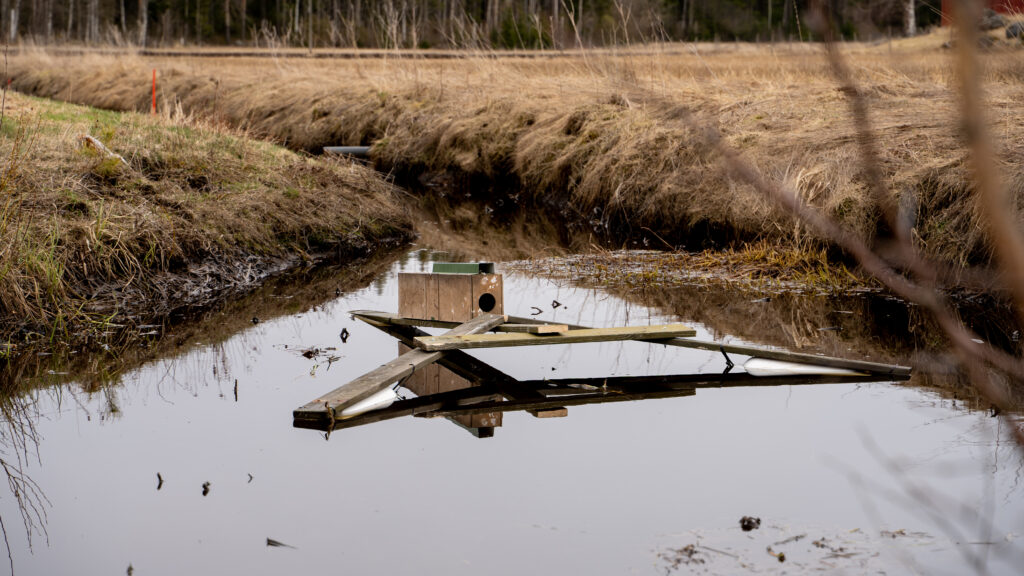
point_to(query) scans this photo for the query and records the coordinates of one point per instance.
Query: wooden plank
(533, 328)
(760, 352)
(399, 320)
(463, 342)
(409, 407)
(389, 373)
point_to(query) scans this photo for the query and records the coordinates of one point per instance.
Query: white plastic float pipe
(376, 401)
(765, 367)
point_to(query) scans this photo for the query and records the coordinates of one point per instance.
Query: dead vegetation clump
(109, 219)
(586, 138)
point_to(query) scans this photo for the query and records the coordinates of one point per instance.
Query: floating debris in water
(159, 481)
(748, 523)
(276, 544)
(681, 556)
(780, 555)
(206, 488)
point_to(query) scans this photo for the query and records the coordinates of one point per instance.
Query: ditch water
(189, 463)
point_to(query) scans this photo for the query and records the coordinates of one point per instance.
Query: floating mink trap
(467, 299)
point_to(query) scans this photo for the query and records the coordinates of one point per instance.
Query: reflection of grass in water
(285, 295)
(99, 374)
(18, 445)
(766, 307)
(759, 267)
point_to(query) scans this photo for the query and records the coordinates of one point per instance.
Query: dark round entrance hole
(487, 302)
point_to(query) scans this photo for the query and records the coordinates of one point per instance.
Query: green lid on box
(463, 267)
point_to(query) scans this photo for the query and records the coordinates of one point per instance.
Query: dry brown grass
(89, 244)
(576, 135)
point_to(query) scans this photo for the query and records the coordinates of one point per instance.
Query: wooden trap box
(454, 292)
(454, 297)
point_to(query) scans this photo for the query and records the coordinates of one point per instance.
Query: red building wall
(1001, 6)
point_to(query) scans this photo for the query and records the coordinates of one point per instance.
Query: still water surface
(611, 489)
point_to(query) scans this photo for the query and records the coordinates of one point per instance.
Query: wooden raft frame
(493, 391)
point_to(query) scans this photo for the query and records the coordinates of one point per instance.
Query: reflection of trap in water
(467, 299)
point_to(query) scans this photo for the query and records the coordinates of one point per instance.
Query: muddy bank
(293, 292)
(584, 142)
(150, 217)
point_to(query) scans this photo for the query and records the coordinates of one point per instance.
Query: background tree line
(441, 23)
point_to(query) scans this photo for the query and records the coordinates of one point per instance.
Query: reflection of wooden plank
(463, 342)
(559, 412)
(423, 381)
(533, 328)
(387, 374)
(553, 388)
(558, 403)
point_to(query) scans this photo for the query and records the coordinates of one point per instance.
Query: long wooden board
(501, 340)
(753, 351)
(397, 320)
(759, 352)
(385, 375)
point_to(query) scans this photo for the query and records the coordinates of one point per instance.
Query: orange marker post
(154, 90)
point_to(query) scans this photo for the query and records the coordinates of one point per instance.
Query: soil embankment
(150, 216)
(598, 142)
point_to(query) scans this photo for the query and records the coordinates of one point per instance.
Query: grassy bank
(156, 214)
(586, 138)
